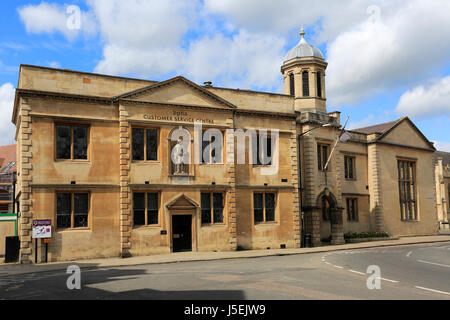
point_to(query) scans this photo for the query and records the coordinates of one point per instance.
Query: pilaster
(25, 176)
(295, 184)
(231, 197)
(376, 204)
(125, 192)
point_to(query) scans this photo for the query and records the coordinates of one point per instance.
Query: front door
(182, 233)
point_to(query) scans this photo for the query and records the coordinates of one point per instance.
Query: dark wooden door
(182, 233)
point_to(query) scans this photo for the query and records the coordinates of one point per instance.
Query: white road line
(357, 272)
(409, 254)
(389, 280)
(432, 290)
(339, 267)
(326, 262)
(434, 263)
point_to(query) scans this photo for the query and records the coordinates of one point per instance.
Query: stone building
(442, 178)
(7, 176)
(96, 156)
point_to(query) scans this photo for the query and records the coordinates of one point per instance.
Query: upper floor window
(322, 156)
(211, 151)
(263, 152)
(145, 208)
(145, 144)
(352, 209)
(305, 80)
(319, 84)
(407, 190)
(349, 163)
(264, 207)
(72, 210)
(212, 207)
(71, 142)
(292, 84)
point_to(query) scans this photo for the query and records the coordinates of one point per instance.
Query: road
(407, 273)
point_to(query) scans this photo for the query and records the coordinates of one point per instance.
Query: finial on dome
(302, 33)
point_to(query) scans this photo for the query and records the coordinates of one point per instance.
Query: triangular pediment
(182, 203)
(178, 91)
(405, 133)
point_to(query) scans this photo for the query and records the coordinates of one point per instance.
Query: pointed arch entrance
(331, 221)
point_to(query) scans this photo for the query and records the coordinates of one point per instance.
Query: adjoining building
(95, 155)
(7, 176)
(442, 177)
(7, 181)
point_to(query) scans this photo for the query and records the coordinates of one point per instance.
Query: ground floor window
(212, 207)
(352, 209)
(264, 207)
(407, 190)
(72, 210)
(145, 208)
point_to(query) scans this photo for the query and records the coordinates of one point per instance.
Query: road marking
(339, 267)
(434, 263)
(389, 280)
(409, 254)
(326, 262)
(357, 272)
(432, 290)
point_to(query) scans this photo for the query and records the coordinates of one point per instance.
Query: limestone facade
(442, 179)
(363, 188)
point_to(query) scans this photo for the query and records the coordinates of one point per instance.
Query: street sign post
(42, 229)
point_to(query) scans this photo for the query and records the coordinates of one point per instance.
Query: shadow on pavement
(100, 284)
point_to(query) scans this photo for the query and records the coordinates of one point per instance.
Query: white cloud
(7, 129)
(426, 100)
(142, 37)
(285, 15)
(53, 18)
(405, 44)
(246, 60)
(442, 146)
(54, 64)
(387, 47)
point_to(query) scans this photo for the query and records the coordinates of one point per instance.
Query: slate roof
(444, 155)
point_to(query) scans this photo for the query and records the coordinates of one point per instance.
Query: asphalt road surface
(406, 273)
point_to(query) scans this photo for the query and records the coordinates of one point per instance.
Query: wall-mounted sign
(163, 232)
(42, 229)
(179, 116)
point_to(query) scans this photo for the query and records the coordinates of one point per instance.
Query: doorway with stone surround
(331, 221)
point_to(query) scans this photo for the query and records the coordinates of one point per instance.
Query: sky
(387, 58)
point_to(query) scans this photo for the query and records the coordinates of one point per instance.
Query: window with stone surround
(264, 205)
(145, 208)
(215, 155)
(72, 142)
(322, 156)
(264, 154)
(305, 80)
(349, 164)
(352, 209)
(145, 144)
(72, 210)
(319, 84)
(407, 190)
(292, 84)
(212, 207)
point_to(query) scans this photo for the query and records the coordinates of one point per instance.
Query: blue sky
(387, 59)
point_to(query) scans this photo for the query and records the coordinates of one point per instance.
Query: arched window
(319, 84)
(292, 84)
(305, 79)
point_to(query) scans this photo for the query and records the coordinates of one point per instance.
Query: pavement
(19, 269)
